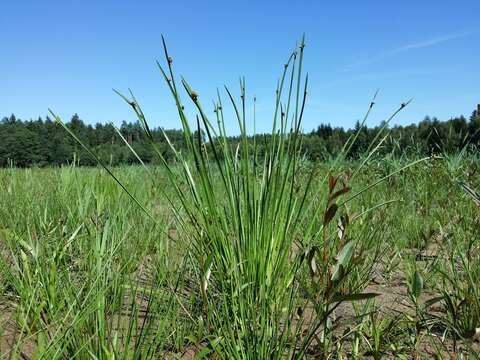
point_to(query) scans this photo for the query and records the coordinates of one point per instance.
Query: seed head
(169, 59)
(194, 95)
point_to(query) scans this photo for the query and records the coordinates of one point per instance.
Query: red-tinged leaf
(329, 214)
(332, 182)
(339, 192)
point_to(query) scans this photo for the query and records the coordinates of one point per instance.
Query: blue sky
(68, 55)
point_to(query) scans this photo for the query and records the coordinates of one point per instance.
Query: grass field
(227, 253)
(86, 273)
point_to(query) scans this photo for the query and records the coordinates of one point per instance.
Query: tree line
(42, 142)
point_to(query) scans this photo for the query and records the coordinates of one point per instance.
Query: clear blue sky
(68, 55)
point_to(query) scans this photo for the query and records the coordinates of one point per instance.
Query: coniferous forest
(42, 142)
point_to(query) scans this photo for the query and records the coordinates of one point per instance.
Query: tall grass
(71, 267)
(432, 223)
(248, 232)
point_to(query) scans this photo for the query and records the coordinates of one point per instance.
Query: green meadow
(226, 252)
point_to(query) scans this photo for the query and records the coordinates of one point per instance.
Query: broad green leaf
(354, 297)
(417, 285)
(344, 257)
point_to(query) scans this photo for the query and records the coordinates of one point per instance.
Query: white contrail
(418, 45)
(428, 43)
